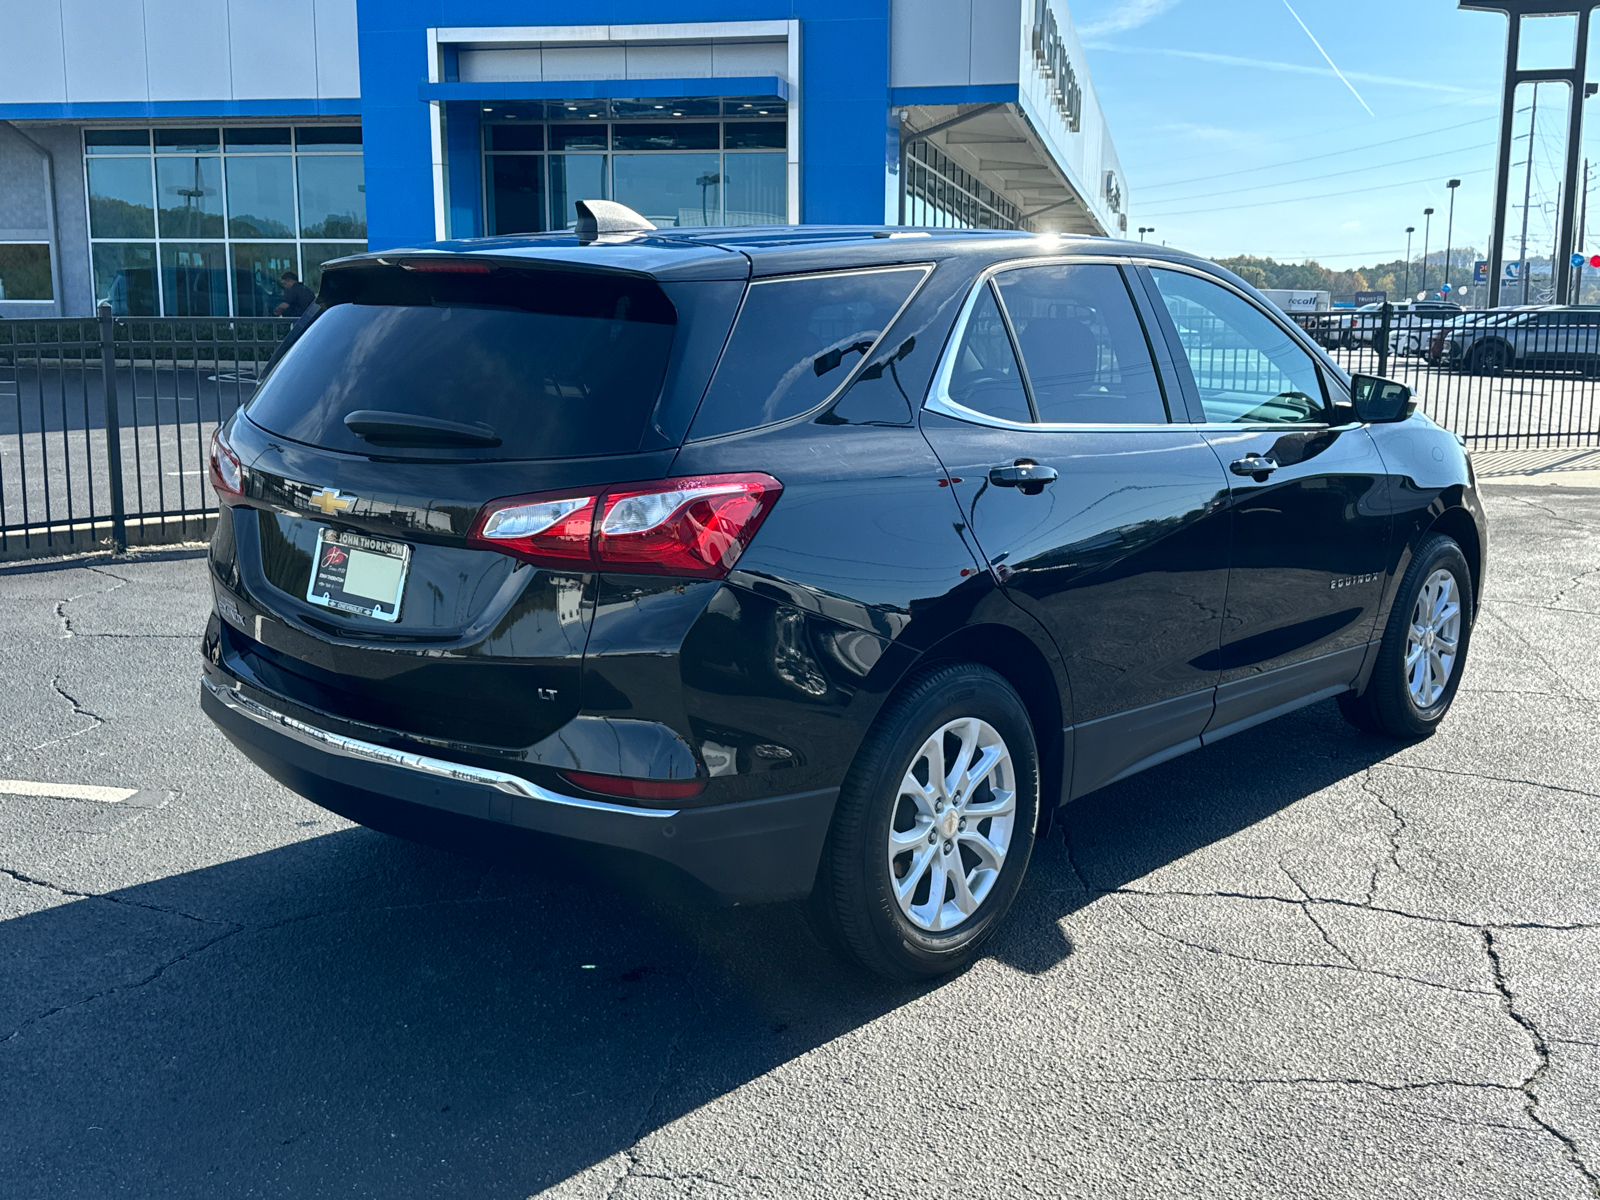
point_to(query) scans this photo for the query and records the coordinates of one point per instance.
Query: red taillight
(695, 526)
(227, 474)
(637, 789)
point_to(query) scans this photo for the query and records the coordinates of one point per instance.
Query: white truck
(1293, 300)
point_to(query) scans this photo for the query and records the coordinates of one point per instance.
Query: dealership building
(175, 158)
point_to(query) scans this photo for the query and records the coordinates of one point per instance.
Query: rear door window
(984, 375)
(796, 341)
(1083, 346)
(550, 364)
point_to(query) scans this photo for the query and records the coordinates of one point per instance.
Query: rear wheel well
(1457, 523)
(1016, 659)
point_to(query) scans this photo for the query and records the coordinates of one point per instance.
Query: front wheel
(934, 826)
(1424, 647)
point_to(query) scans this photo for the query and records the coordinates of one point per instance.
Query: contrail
(1331, 63)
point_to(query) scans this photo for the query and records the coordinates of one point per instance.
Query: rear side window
(796, 341)
(984, 375)
(1082, 345)
(552, 364)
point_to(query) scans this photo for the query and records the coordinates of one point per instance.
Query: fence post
(1383, 340)
(108, 374)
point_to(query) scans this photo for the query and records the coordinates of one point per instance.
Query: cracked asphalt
(1304, 962)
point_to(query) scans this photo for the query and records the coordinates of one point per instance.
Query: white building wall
(945, 43)
(88, 51)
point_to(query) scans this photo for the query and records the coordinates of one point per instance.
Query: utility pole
(1406, 290)
(1583, 235)
(1450, 228)
(1427, 224)
(1527, 195)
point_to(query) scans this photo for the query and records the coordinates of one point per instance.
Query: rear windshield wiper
(405, 429)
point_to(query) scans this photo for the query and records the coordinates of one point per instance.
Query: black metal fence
(105, 426)
(1503, 379)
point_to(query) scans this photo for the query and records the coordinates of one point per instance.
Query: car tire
(1424, 647)
(1489, 359)
(874, 897)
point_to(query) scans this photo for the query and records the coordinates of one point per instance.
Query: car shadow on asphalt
(392, 1019)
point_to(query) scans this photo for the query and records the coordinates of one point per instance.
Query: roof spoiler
(597, 217)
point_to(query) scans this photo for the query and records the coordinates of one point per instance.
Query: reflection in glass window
(984, 375)
(333, 201)
(256, 270)
(125, 277)
(187, 141)
(756, 187)
(116, 141)
(796, 341)
(666, 135)
(261, 196)
(1247, 367)
(573, 177)
(25, 271)
(1082, 344)
(670, 189)
(756, 135)
(516, 193)
(119, 198)
(328, 137)
(193, 279)
(254, 137)
(189, 191)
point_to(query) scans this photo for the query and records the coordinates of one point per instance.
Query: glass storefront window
(575, 177)
(190, 195)
(577, 137)
(757, 189)
(670, 189)
(203, 221)
(261, 196)
(193, 280)
(120, 198)
(125, 277)
(333, 199)
(516, 193)
(256, 268)
(667, 135)
(25, 271)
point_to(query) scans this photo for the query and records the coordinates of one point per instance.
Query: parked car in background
(1410, 325)
(1549, 338)
(818, 563)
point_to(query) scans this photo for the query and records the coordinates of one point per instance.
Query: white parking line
(65, 791)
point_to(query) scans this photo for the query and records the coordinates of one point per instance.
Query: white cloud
(1128, 15)
(1351, 225)
(1267, 64)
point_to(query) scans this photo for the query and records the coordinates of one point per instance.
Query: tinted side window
(984, 376)
(797, 339)
(1248, 369)
(1082, 345)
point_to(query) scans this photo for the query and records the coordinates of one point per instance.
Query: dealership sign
(1050, 52)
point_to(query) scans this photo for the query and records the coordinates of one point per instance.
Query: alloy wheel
(1433, 639)
(952, 826)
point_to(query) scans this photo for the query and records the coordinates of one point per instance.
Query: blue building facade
(247, 139)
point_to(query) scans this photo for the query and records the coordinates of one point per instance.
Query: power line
(1312, 178)
(1293, 162)
(1382, 187)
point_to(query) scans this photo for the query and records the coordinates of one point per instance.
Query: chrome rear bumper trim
(352, 748)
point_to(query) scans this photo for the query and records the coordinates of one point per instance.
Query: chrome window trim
(938, 399)
(347, 747)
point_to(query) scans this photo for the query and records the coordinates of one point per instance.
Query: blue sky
(1211, 102)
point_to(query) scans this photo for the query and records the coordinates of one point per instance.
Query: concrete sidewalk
(1550, 468)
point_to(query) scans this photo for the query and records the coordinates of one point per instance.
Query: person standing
(297, 296)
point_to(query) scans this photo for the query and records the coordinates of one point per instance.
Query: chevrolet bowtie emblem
(330, 501)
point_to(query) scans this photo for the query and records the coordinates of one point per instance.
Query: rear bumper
(752, 851)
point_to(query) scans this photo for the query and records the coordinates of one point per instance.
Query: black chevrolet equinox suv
(817, 562)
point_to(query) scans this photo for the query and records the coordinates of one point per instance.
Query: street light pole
(1450, 228)
(1406, 290)
(1427, 223)
(1144, 229)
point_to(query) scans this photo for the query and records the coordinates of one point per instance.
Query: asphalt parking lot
(1303, 962)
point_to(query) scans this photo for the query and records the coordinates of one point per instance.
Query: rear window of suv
(797, 339)
(554, 364)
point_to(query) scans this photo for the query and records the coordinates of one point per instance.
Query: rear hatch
(430, 385)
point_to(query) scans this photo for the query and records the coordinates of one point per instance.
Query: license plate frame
(376, 561)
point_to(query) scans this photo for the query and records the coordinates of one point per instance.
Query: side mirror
(1380, 400)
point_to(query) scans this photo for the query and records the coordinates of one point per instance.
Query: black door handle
(1025, 474)
(1256, 465)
